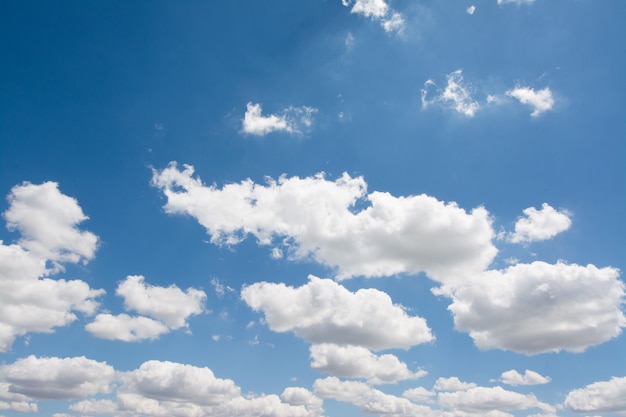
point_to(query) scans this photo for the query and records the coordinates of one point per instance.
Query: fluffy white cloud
(168, 308)
(57, 378)
(294, 120)
(452, 384)
(456, 95)
(379, 10)
(540, 100)
(541, 224)
(126, 328)
(359, 362)
(30, 301)
(170, 381)
(316, 219)
(170, 304)
(368, 399)
(539, 307)
(484, 399)
(599, 397)
(419, 394)
(47, 221)
(513, 377)
(471, 9)
(322, 311)
(165, 389)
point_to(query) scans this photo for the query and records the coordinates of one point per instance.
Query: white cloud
(323, 311)
(456, 95)
(316, 219)
(513, 377)
(170, 304)
(516, 1)
(126, 328)
(163, 389)
(368, 399)
(13, 401)
(294, 120)
(168, 308)
(57, 378)
(419, 394)
(29, 300)
(471, 9)
(170, 381)
(485, 399)
(47, 221)
(540, 100)
(379, 10)
(539, 307)
(359, 362)
(541, 224)
(452, 384)
(599, 397)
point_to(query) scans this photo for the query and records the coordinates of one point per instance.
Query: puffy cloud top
(539, 307)
(317, 218)
(57, 378)
(323, 311)
(541, 224)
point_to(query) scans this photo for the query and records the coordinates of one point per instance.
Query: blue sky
(322, 208)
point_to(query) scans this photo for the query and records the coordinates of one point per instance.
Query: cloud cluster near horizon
(158, 388)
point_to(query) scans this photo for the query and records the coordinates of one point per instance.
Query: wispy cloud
(379, 10)
(456, 95)
(293, 120)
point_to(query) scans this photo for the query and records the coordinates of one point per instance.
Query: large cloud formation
(317, 218)
(599, 397)
(539, 307)
(31, 301)
(322, 311)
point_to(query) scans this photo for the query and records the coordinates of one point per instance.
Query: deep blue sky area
(395, 208)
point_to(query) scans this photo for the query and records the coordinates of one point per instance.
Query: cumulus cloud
(456, 95)
(315, 218)
(419, 394)
(162, 388)
(452, 384)
(378, 10)
(539, 307)
(540, 100)
(541, 224)
(471, 9)
(170, 304)
(30, 301)
(599, 397)
(15, 402)
(485, 399)
(369, 400)
(323, 311)
(294, 120)
(359, 362)
(513, 377)
(57, 378)
(47, 221)
(168, 309)
(126, 328)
